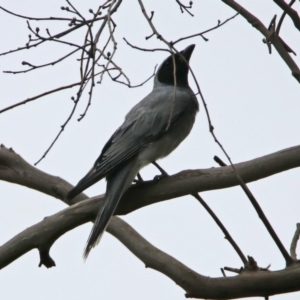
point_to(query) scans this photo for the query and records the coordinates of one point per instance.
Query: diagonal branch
(289, 11)
(39, 96)
(223, 228)
(256, 23)
(247, 191)
(45, 233)
(249, 284)
(295, 241)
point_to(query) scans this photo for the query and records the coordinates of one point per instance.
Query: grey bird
(152, 129)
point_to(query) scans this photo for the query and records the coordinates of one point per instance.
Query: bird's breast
(170, 139)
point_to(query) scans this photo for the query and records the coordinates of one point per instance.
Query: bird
(152, 129)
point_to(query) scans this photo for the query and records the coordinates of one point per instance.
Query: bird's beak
(187, 52)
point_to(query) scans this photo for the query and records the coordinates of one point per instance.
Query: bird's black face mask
(165, 72)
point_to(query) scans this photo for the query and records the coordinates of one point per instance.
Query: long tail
(117, 184)
(89, 179)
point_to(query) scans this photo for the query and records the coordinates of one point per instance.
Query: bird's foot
(163, 172)
(159, 177)
(139, 179)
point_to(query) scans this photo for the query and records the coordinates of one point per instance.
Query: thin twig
(223, 228)
(219, 161)
(211, 129)
(129, 85)
(39, 96)
(34, 18)
(277, 43)
(234, 270)
(170, 45)
(262, 216)
(296, 73)
(215, 218)
(144, 49)
(185, 7)
(282, 18)
(33, 67)
(206, 31)
(290, 11)
(294, 242)
(160, 37)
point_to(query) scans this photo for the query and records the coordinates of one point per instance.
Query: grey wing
(145, 123)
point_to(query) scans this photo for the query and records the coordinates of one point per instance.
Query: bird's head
(165, 73)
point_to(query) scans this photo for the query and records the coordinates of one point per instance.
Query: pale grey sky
(255, 107)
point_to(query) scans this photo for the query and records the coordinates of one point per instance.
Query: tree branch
(42, 235)
(15, 169)
(289, 11)
(248, 284)
(256, 23)
(295, 241)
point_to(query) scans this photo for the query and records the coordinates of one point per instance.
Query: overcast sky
(255, 107)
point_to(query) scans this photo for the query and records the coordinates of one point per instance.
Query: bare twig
(290, 11)
(234, 270)
(206, 31)
(87, 72)
(262, 216)
(34, 18)
(294, 242)
(228, 237)
(144, 49)
(223, 272)
(256, 23)
(215, 218)
(250, 196)
(39, 96)
(274, 30)
(282, 18)
(185, 7)
(33, 67)
(129, 85)
(219, 161)
(211, 129)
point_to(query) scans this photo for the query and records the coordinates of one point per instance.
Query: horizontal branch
(43, 234)
(13, 168)
(201, 180)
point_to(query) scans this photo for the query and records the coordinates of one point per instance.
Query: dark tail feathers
(89, 179)
(117, 184)
(101, 223)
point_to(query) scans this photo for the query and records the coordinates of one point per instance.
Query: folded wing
(145, 123)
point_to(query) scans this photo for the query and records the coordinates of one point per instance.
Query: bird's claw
(159, 177)
(139, 179)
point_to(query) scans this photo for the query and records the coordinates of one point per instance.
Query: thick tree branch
(44, 234)
(15, 169)
(248, 284)
(273, 38)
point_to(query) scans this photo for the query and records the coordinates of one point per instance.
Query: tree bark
(42, 235)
